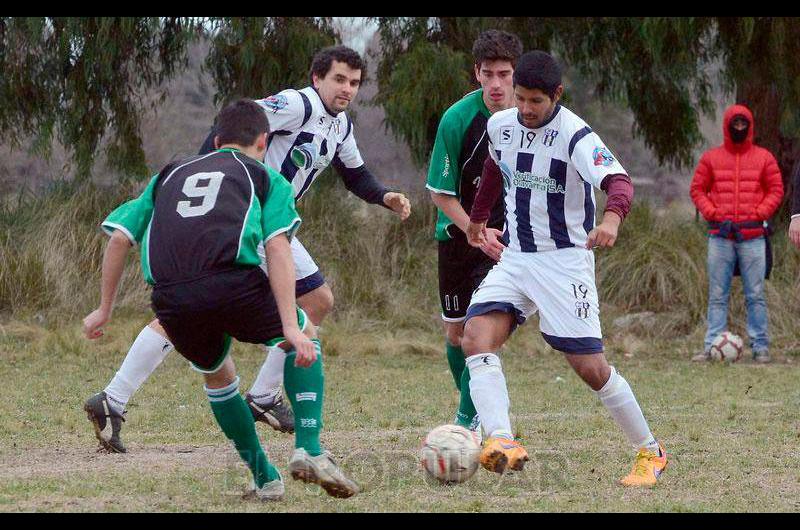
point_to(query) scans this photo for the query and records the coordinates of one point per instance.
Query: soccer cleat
(702, 357)
(107, 422)
(277, 415)
(322, 470)
(270, 491)
(501, 453)
(761, 357)
(647, 467)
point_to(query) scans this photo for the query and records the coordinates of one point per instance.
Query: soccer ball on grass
(727, 347)
(450, 453)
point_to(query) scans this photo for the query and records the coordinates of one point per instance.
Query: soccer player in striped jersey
(548, 161)
(309, 131)
(200, 221)
(455, 170)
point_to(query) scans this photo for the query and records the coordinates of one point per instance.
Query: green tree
(258, 56)
(665, 70)
(78, 78)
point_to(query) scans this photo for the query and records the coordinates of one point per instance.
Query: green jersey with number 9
(204, 215)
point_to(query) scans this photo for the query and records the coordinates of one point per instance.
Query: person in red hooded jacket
(737, 187)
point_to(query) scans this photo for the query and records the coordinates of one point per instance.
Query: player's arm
(486, 197)
(361, 182)
(113, 266)
(619, 190)
(126, 225)
(598, 166)
(279, 223)
(794, 225)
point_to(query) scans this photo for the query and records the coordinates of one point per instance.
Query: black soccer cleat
(107, 422)
(277, 415)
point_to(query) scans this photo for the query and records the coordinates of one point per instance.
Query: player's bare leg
(106, 409)
(234, 418)
(616, 395)
(484, 335)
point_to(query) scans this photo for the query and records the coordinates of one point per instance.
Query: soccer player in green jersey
(200, 222)
(459, 152)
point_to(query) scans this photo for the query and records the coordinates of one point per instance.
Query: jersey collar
(546, 122)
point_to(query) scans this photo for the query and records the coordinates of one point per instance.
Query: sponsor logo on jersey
(506, 135)
(508, 175)
(306, 396)
(549, 137)
(602, 156)
(524, 179)
(446, 169)
(276, 103)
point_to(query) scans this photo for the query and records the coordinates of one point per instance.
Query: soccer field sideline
(728, 429)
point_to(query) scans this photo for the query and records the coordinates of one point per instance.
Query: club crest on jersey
(276, 103)
(602, 156)
(506, 135)
(549, 137)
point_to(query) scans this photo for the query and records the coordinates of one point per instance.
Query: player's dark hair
(323, 60)
(538, 69)
(496, 45)
(241, 123)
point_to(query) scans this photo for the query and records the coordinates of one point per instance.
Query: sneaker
(501, 453)
(762, 357)
(647, 467)
(321, 470)
(270, 491)
(702, 357)
(277, 415)
(107, 422)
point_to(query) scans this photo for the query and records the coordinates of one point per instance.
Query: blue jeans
(722, 256)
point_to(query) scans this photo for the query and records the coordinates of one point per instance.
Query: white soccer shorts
(557, 283)
(306, 270)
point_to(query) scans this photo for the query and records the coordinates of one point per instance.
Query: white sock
(617, 396)
(268, 383)
(146, 353)
(487, 386)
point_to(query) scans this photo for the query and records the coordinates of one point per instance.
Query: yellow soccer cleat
(501, 453)
(647, 467)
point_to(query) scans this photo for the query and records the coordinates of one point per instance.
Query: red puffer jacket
(737, 182)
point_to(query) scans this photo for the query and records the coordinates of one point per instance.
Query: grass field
(732, 430)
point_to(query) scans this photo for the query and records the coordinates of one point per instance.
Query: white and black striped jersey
(305, 138)
(549, 176)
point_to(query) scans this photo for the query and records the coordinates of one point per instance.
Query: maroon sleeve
(619, 189)
(488, 192)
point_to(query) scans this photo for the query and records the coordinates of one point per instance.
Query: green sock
(466, 414)
(304, 387)
(234, 417)
(455, 358)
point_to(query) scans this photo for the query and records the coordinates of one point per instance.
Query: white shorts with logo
(307, 272)
(557, 283)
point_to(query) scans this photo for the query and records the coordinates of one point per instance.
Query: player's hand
(794, 232)
(492, 246)
(94, 322)
(476, 234)
(604, 234)
(398, 203)
(306, 352)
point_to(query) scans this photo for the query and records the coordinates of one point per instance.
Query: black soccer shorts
(461, 269)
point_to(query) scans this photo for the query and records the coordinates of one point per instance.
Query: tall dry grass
(382, 271)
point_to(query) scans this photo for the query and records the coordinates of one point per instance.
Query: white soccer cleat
(271, 491)
(321, 470)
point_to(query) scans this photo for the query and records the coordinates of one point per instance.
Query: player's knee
(470, 341)
(594, 375)
(454, 334)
